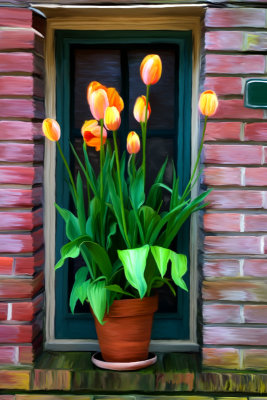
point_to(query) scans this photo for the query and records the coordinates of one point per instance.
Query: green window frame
(173, 326)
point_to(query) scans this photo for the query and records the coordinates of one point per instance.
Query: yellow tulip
(133, 143)
(112, 119)
(208, 103)
(51, 129)
(91, 133)
(151, 69)
(140, 108)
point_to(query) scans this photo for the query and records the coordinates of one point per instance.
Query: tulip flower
(115, 99)
(91, 133)
(98, 102)
(150, 69)
(208, 103)
(133, 143)
(112, 119)
(92, 87)
(140, 109)
(51, 129)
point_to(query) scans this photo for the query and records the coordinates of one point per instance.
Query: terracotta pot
(126, 334)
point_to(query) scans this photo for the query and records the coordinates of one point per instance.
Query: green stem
(101, 184)
(120, 188)
(133, 163)
(67, 168)
(144, 132)
(87, 183)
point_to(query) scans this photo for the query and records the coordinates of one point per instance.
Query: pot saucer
(123, 366)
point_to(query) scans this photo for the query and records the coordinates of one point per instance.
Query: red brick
(256, 314)
(19, 288)
(235, 109)
(223, 131)
(256, 177)
(232, 199)
(221, 268)
(6, 265)
(257, 268)
(21, 108)
(222, 176)
(256, 223)
(232, 154)
(13, 174)
(14, 130)
(21, 197)
(27, 265)
(21, 62)
(233, 290)
(233, 245)
(3, 312)
(235, 336)
(235, 64)
(7, 397)
(15, 379)
(221, 313)
(26, 311)
(21, 243)
(224, 40)
(8, 355)
(224, 85)
(221, 358)
(27, 353)
(21, 152)
(15, 17)
(21, 86)
(221, 222)
(255, 359)
(20, 220)
(21, 39)
(235, 17)
(256, 131)
(15, 333)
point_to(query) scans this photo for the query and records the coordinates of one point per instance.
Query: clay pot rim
(132, 307)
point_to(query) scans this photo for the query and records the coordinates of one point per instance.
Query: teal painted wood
(256, 93)
(166, 326)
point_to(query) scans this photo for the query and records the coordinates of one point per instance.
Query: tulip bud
(91, 133)
(208, 103)
(115, 99)
(112, 119)
(98, 102)
(150, 69)
(133, 143)
(51, 129)
(140, 109)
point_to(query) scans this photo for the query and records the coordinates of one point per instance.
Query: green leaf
(150, 219)
(178, 269)
(162, 257)
(72, 223)
(118, 289)
(134, 263)
(137, 190)
(97, 296)
(112, 231)
(79, 289)
(154, 195)
(80, 203)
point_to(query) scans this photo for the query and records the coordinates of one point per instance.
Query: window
(113, 58)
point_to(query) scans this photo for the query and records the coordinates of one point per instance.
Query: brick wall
(21, 192)
(235, 268)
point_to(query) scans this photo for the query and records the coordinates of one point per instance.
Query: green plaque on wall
(256, 93)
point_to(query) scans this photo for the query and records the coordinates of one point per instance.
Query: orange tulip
(208, 103)
(140, 109)
(115, 99)
(150, 69)
(112, 119)
(92, 87)
(133, 143)
(98, 102)
(91, 133)
(51, 129)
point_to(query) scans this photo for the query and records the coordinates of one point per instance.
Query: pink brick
(12, 130)
(232, 199)
(16, 333)
(256, 314)
(256, 177)
(221, 358)
(256, 131)
(232, 154)
(21, 243)
(235, 108)
(256, 223)
(21, 86)
(224, 85)
(233, 245)
(21, 39)
(221, 268)
(21, 197)
(255, 359)
(6, 265)
(3, 312)
(222, 176)
(223, 222)
(235, 17)
(21, 175)
(21, 288)
(235, 64)
(21, 62)
(265, 155)
(21, 108)
(8, 355)
(221, 313)
(224, 40)
(27, 265)
(235, 290)
(223, 131)
(235, 336)
(15, 17)
(20, 220)
(26, 311)
(257, 268)
(21, 152)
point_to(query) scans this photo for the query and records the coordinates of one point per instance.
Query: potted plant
(124, 234)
